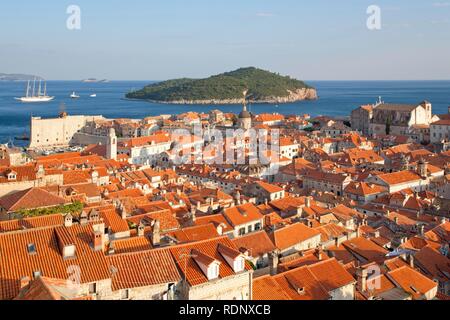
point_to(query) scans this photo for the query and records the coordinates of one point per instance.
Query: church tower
(422, 168)
(111, 145)
(245, 118)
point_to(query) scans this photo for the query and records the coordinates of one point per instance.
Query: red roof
(141, 269)
(292, 235)
(190, 269)
(30, 199)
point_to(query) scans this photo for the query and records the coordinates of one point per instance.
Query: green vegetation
(261, 85)
(388, 125)
(72, 208)
(132, 225)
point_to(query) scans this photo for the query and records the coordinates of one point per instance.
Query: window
(92, 288)
(239, 265)
(31, 248)
(250, 229)
(213, 271)
(125, 294)
(241, 231)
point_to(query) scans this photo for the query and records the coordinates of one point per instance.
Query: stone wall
(56, 132)
(237, 287)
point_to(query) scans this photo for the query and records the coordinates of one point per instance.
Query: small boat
(35, 96)
(23, 137)
(74, 95)
(93, 95)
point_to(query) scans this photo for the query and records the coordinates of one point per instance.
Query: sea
(336, 98)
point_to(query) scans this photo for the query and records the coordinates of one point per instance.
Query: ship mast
(28, 89)
(39, 91)
(34, 85)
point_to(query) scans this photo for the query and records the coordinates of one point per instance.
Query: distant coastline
(18, 77)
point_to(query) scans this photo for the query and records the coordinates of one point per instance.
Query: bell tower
(245, 118)
(111, 145)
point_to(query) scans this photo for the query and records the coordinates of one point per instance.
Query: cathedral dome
(245, 115)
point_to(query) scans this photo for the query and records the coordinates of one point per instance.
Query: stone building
(360, 119)
(57, 132)
(399, 117)
(213, 270)
(396, 119)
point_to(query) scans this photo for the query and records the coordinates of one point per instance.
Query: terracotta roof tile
(292, 235)
(30, 199)
(412, 281)
(210, 248)
(16, 262)
(141, 269)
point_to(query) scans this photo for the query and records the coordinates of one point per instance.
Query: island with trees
(226, 88)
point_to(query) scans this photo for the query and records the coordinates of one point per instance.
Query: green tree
(388, 125)
(260, 83)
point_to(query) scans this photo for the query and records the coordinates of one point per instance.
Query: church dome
(245, 115)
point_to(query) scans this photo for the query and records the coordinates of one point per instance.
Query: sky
(164, 39)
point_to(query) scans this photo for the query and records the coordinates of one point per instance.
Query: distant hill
(18, 77)
(227, 88)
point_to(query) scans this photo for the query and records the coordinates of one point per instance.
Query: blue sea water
(337, 98)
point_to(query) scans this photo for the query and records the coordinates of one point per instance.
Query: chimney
(24, 282)
(220, 229)
(98, 241)
(237, 198)
(141, 229)
(421, 230)
(99, 237)
(112, 248)
(308, 202)
(273, 262)
(361, 274)
(319, 254)
(83, 218)
(156, 234)
(411, 260)
(358, 232)
(68, 220)
(123, 211)
(193, 215)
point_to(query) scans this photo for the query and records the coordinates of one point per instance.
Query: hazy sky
(161, 39)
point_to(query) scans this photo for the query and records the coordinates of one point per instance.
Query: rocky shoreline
(294, 96)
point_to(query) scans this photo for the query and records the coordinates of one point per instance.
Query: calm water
(337, 98)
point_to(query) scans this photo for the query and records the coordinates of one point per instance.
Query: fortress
(59, 132)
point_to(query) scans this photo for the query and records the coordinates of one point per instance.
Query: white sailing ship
(31, 95)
